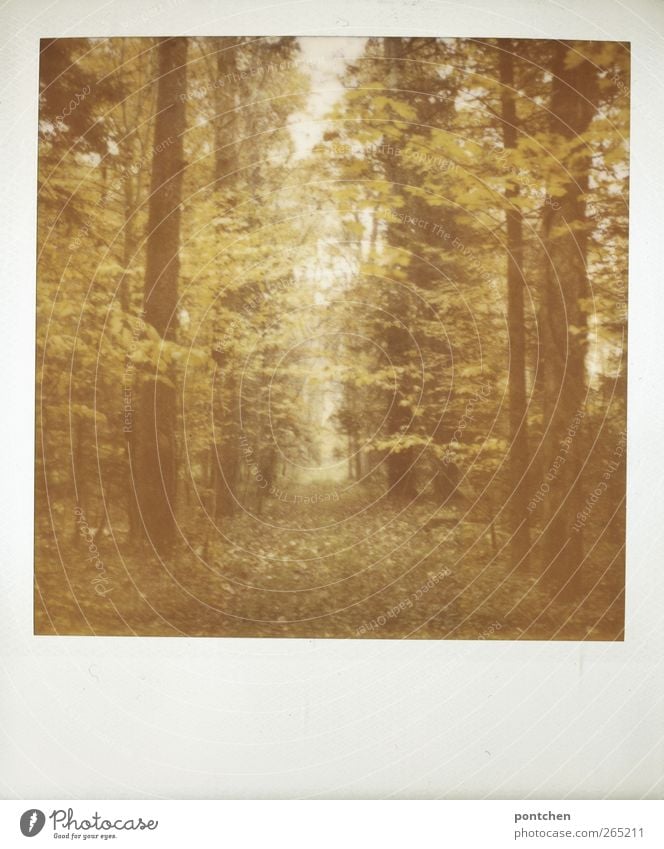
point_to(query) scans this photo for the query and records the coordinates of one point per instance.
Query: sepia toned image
(331, 338)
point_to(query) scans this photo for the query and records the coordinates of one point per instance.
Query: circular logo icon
(32, 822)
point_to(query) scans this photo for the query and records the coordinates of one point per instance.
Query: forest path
(345, 564)
(341, 560)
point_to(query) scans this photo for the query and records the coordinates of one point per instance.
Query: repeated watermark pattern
(601, 487)
(558, 462)
(101, 581)
(405, 604)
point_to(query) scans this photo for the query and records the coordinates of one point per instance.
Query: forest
(331, 337)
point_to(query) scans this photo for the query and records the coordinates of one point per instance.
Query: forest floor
(332, 568)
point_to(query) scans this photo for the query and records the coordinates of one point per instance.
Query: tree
(563, 316)
(518, 402)
(371, 354)
(154, 439)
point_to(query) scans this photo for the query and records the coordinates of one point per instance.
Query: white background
(210, 718)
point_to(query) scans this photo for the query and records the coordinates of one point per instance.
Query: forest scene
(331, 338)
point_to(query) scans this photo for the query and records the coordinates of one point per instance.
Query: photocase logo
(32, 822)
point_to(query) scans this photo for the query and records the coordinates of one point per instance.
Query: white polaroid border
(236, 718)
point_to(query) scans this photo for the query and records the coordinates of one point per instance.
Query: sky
(325, 59)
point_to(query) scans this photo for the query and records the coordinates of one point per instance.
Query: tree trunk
(226, 426)
(563, 322)
(517, 505)
(226, 443)
(129, 242)
(398, 342)
(154, 440)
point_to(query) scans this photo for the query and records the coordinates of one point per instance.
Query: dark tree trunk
(225, 401)
(163, 255)
(154, 446)
(225, 156)
(517, 505)
(400, 462)
(226, 445)
(129, 244)
(563, 323)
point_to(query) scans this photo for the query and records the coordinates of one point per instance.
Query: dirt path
(336, 565)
